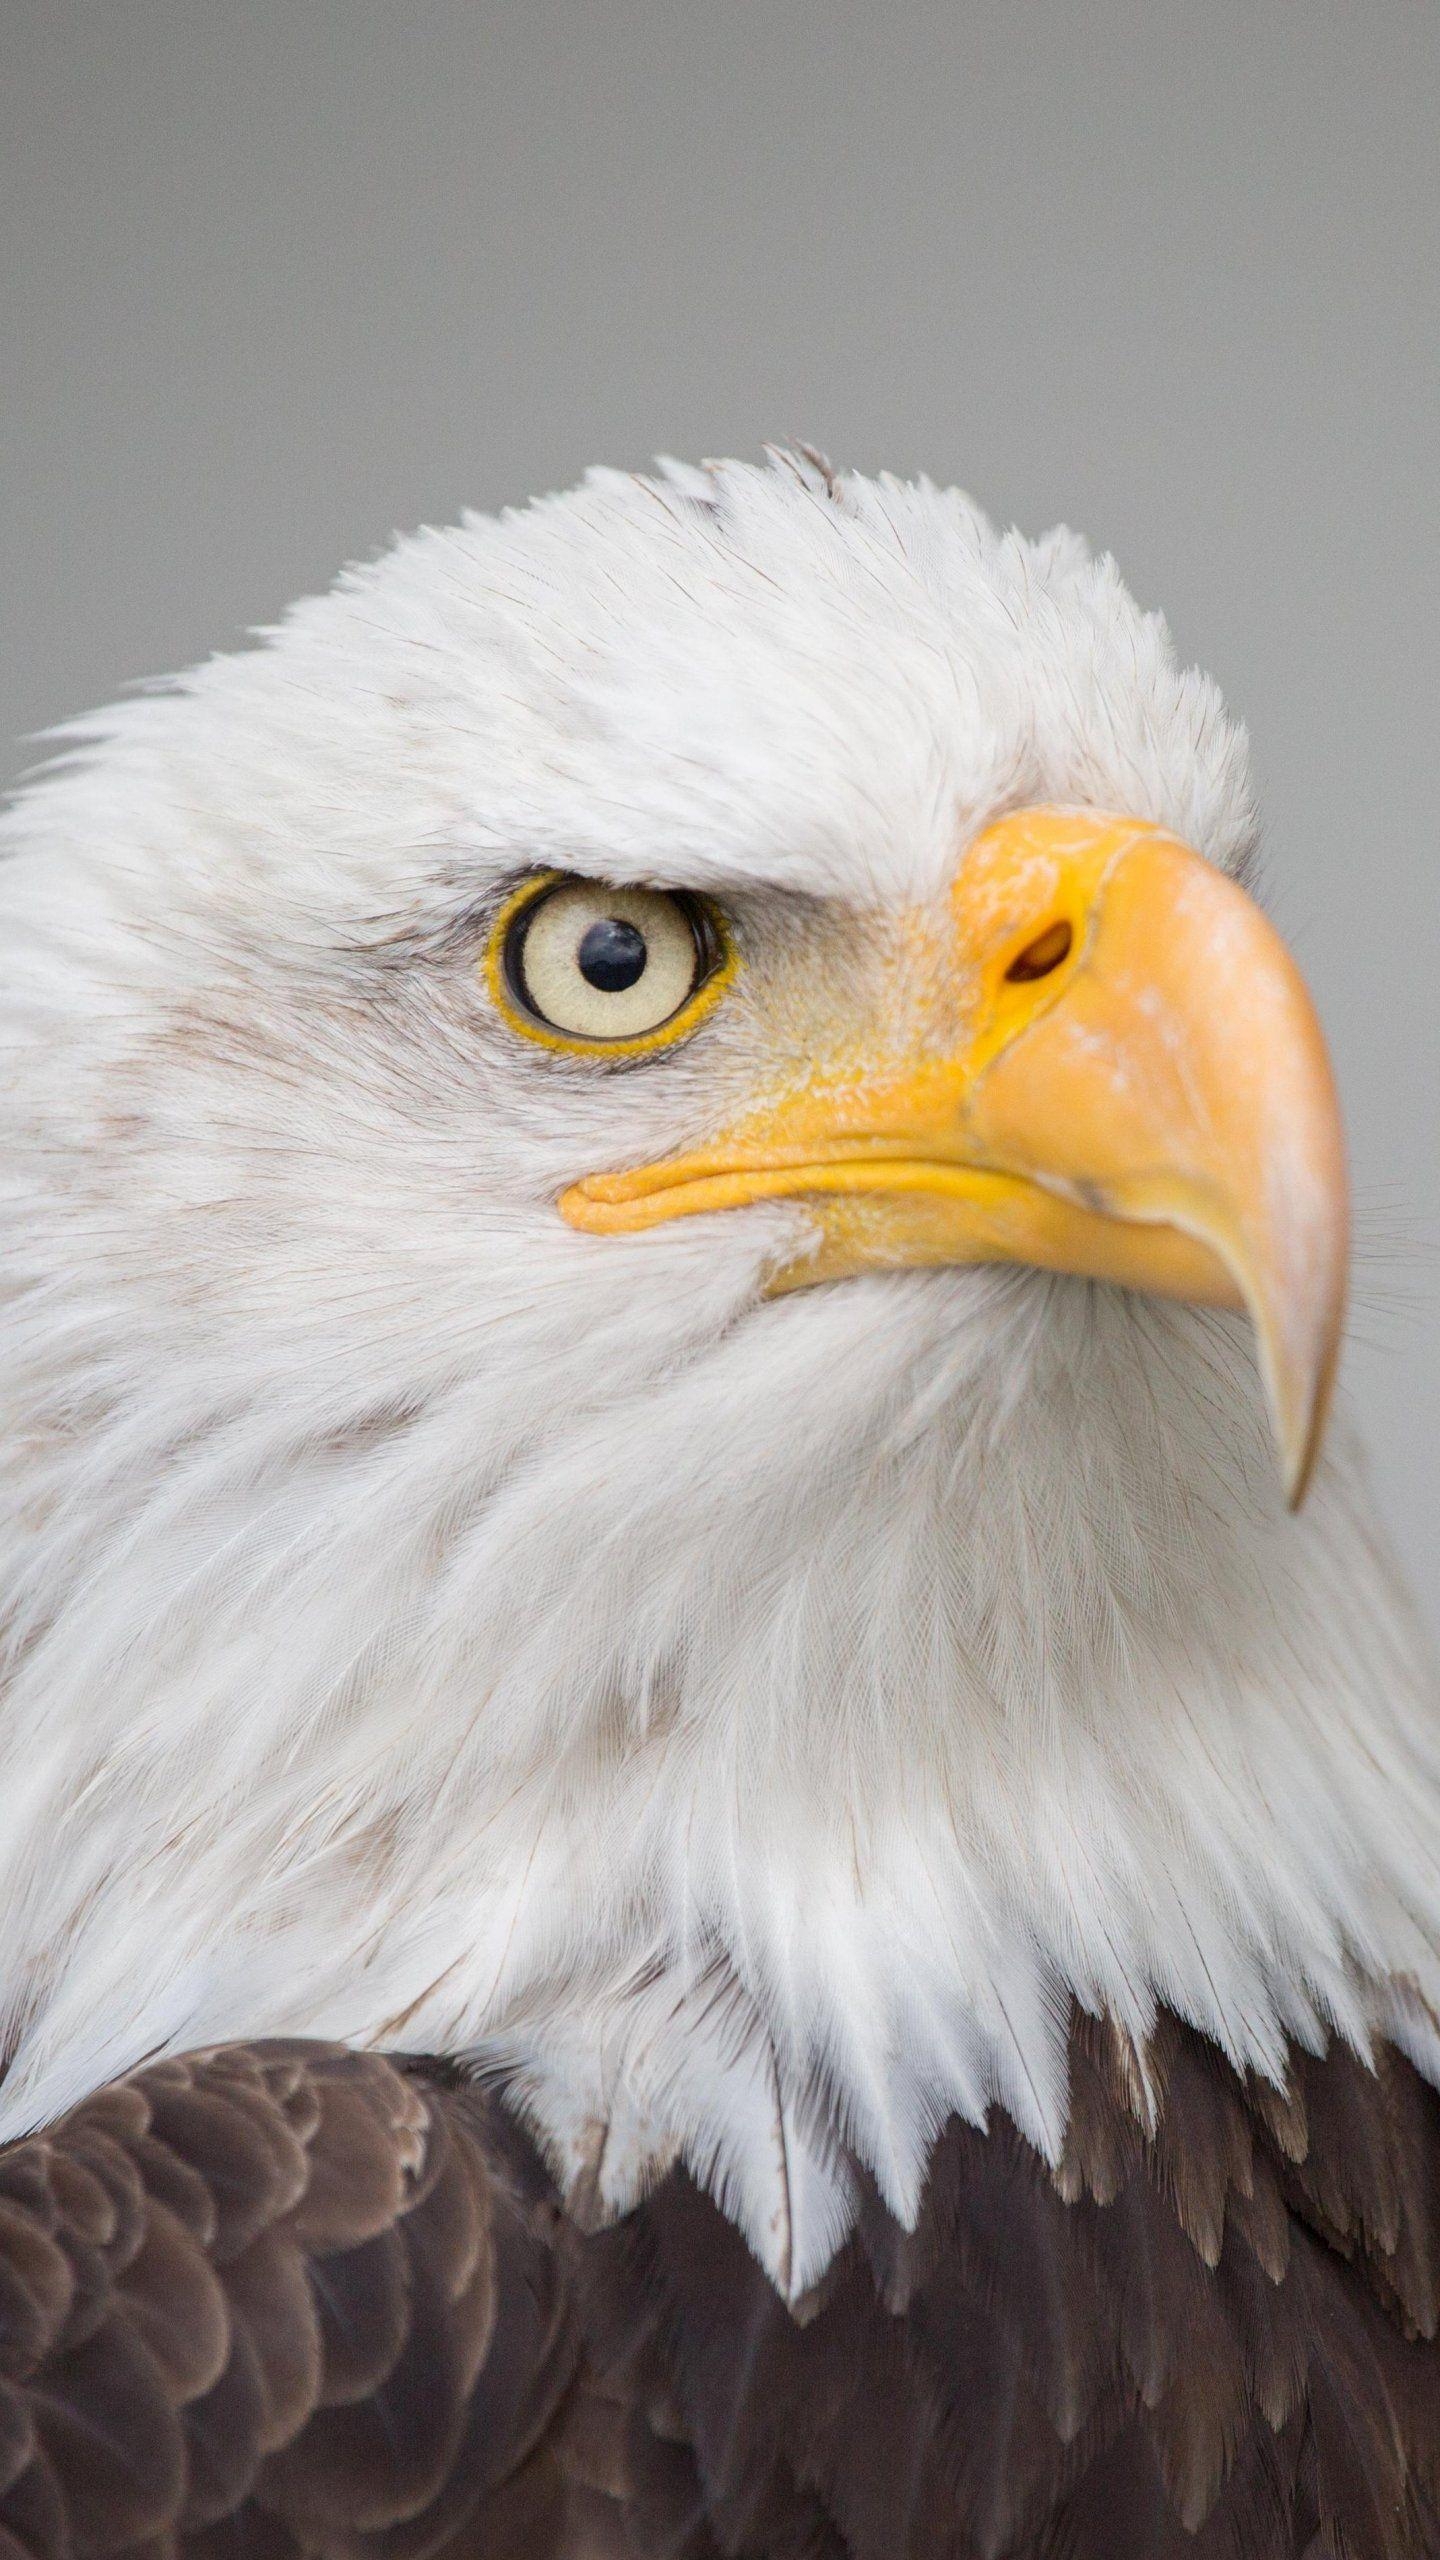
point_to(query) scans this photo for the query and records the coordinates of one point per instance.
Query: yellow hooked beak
(1117, 1072)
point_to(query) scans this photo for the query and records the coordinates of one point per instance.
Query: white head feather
(751, 1721)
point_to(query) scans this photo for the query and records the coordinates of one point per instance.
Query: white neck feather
(753, 1752)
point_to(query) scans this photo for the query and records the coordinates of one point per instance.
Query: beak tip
(1300, 1425)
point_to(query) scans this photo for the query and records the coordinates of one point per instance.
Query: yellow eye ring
(600, 955)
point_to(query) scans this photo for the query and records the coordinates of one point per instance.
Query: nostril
(1042, 955)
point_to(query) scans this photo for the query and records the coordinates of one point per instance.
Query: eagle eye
(580, 965)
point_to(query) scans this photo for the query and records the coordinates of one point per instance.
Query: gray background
(281, 275)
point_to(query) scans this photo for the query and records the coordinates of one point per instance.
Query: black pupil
(612, 954)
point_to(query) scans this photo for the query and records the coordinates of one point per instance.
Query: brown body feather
(285, 2299)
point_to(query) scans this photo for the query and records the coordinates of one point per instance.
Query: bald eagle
(696, 1854)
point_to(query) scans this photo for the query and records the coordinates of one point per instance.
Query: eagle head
(667, 1204)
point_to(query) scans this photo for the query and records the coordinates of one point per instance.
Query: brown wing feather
(284, 2302)
(270, 2300)
(1206, 2336)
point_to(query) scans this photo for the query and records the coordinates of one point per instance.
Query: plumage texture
(283, 2292)
(289, 2300)
(750, 1725)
